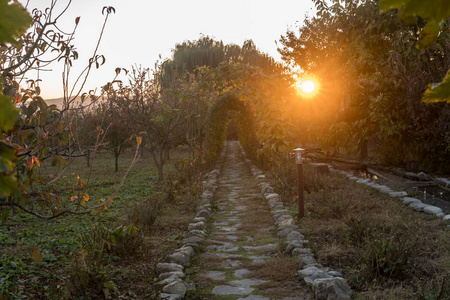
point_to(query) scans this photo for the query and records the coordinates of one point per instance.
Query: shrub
(386, 256)
(144, 214)
(121, 241)
(91, 272)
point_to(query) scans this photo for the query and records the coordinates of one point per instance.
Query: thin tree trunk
(364, 151)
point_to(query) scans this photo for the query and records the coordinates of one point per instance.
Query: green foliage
(371, 80)
(8, 182)
(436, 14)
(14, 21)
(121, 241)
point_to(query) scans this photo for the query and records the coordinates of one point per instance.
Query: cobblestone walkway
(242, 257)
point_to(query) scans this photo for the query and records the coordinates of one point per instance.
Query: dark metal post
(298, 159)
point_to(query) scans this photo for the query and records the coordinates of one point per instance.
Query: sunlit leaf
(438, 92)
(428, 34)
(8, 113)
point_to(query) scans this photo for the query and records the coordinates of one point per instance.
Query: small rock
(179, 258)
(241, 273)
(418, 206)
(294, 235)
(161, 284)
(444, 181)
(409, 200)
(398, 194)
(168, 267)
(163, 276)
(300, 251)
(447, 217)
(169, 296)
(312, 273)
(187, 250)
(295, 227)
(307, 260)
(334, 273)
(207, 196)
(332, 288)
(432, 210)
(231, 290)
(196, 232)
(196, 226)
(284, 232)
(422, 175)
(175, 288)
(198, 219)
(293, 244)
(203, 213)
(193, 240)
(272, 196)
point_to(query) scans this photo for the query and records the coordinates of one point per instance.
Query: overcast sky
(141, 30)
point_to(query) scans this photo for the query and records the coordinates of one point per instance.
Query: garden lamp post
(298, 160)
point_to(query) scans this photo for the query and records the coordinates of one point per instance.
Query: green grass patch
(97, 256)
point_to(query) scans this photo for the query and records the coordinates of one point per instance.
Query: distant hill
(59, 101)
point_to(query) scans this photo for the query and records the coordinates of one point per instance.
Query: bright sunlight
(306, 88)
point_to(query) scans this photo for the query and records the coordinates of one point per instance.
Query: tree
(153, 112)
(436, 14)
(372, 78)
(41, 132)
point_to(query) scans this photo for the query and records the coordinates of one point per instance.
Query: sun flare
(308, 86)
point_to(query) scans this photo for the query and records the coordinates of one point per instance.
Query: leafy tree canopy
(436, 13)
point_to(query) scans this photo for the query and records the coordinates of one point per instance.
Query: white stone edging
(415, 203)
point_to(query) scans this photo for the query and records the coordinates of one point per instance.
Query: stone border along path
(244, 253)
(415, 203)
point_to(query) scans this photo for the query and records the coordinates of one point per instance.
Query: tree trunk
(88, 157)
(364, 151)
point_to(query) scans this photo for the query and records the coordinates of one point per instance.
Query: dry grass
(366, 235)
(281, 269)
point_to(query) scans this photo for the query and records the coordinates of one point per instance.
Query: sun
(306, 87)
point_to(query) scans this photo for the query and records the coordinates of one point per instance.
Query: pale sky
(141, 30)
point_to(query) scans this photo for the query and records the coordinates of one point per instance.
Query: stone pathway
(242, 257)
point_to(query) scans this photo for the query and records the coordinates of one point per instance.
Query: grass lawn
(384, 249)
(90, 257)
